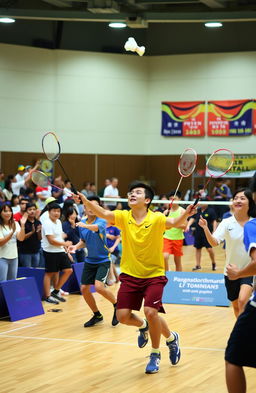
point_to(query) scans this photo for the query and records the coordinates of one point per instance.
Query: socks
(155, 350)
(97, 314)
(144, 325)
(55, 291)
(170, 338)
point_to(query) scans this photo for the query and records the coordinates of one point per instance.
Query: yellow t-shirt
(142, 244)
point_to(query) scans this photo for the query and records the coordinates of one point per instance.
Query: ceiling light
(117, 25)
(7, 20)
(213, 24)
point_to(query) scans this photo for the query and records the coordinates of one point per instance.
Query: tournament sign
(183, 119)
(203, 289)
(230, 118)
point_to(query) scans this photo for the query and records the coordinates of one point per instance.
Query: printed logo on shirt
(147, 226)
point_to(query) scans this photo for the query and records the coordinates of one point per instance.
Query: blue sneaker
(153, 364)
(174, 349)
(143, 337)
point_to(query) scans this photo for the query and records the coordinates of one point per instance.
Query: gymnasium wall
(108, 103)
(106, 108)
(213, 76)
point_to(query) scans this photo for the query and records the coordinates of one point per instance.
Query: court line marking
(19, 328)
(100, 342)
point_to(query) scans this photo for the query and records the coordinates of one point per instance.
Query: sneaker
(143, 337)
(196, 268)
(63, 293)
(114, 319)
(213, 266)
(50, 299)
(174, 349)
(95, 319)
(58, 297)
(153, 364)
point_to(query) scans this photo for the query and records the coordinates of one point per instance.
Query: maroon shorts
(133, 290)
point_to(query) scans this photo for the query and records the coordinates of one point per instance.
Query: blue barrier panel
(37, 273)
(204, 289)
(22, 298)
(71, 285)
(74, 281)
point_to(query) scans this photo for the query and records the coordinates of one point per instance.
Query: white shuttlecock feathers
(131, 45)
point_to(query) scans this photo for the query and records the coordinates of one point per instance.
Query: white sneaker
(51, 299)
(63, 293)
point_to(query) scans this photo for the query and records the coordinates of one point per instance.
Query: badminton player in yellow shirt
(142, 267)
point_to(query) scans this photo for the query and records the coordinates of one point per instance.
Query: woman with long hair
(10, 231)
(232, 231)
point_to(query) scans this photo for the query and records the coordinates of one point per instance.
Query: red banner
(231, 118)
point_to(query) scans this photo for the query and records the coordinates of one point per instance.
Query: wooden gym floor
(55, 353)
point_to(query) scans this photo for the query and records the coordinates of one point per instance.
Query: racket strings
(219, 163)
(187, 162)
(40, 179)
(51, 146)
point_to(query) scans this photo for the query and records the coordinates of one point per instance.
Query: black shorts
(95, 271)
(241, 347)
(201, 241)
(56, 261)
(233, 286)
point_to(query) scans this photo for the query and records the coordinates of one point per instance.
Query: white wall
(106, 103)
(96, 103)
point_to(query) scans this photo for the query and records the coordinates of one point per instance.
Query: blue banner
(203, 289)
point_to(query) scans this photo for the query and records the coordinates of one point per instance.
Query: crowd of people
(51, 227)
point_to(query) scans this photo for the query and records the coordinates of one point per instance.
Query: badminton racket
(52, 149)
(42, 180)
(186, 167)
(217, 165)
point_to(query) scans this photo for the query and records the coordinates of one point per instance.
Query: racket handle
(196, 201)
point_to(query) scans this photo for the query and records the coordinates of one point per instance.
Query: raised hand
(191, 209)
(202, 222)
(23, 219)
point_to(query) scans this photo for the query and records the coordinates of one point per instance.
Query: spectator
(2, 182)
(29, 248)
(111, 191)
(15, 204)
(10, 231)
(22, 203)
(57, 191)
(69, 227)
(42, 194)
(54, 253)
(101, 191)
(67, 192)
(87, 189)
(220, 193)
(7, 191)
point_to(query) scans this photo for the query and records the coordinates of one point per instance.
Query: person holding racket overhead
(232, 231)
(142, 266)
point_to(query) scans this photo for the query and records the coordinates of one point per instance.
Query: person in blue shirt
(69, 227)
(92, 232)
(241, 347)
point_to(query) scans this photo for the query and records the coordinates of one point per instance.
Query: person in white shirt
(10, 231)
(111, 191)
(55, 256)
(232, 231)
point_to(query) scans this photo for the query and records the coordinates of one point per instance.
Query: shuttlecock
(131, 45)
